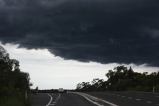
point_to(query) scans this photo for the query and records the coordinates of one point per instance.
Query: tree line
(122, 78)
(14, 84)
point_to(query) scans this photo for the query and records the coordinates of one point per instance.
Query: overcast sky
(48, 71)
(74, 37)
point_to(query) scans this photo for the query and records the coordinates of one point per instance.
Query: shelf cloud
(103, 31)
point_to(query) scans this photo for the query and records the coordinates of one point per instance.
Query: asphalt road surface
(65, 99)
(96, 99)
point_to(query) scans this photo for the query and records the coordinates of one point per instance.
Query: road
(96, 99)
(68, 99)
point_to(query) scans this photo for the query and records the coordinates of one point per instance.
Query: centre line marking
(138, 99)
(50, 100)
(149, 102)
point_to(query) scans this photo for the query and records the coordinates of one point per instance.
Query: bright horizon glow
(48, 71)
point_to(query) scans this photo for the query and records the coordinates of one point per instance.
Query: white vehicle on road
(61, 90)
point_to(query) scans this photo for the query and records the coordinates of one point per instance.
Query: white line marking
(138, 99)
(111, 104)
(57, 98)
(149, 102)
(54, 103)
(50, 100)
(92, 99)
(95, 103)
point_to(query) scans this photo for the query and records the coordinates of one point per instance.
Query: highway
(96, 99)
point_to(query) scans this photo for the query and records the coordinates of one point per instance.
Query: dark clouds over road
(86, 30)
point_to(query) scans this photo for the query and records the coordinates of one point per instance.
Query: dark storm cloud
(86, 30)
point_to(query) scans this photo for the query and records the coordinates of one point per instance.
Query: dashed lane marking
(149, 102)
(51, 103)
(50, 100)
(138, 99)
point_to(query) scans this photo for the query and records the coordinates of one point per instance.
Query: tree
(13, 83)
(122, 78)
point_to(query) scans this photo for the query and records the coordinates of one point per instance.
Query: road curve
(65, 99)
(96, 99)
(129, 98)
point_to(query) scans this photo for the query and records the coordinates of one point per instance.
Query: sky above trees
(100, 32)
(48, 71)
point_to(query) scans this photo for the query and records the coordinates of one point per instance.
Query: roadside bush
(14, 84)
